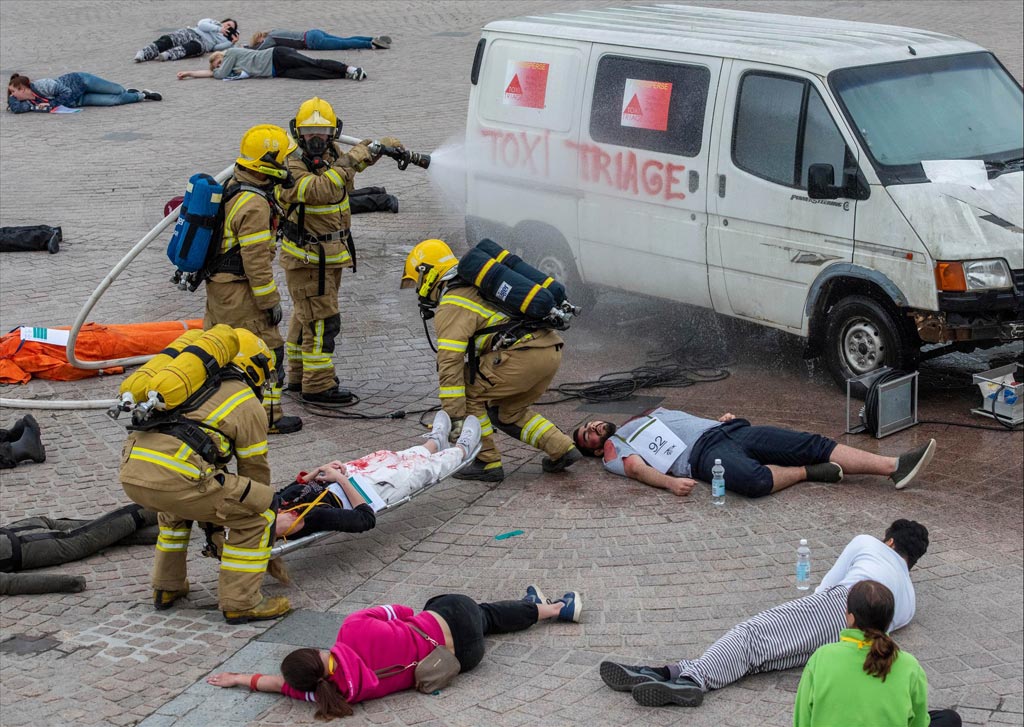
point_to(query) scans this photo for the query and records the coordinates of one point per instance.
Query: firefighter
(316, 245)
(241, 291)
(161, 472)
(510, 377)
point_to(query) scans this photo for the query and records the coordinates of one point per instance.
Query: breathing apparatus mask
(428, 289)
(315, 128)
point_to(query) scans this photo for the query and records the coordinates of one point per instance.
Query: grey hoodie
(210, 35)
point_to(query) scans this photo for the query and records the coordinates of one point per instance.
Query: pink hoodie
(377, 638)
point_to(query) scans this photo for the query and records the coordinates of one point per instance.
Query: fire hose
(404, 158)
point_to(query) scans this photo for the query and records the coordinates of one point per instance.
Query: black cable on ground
(676, 369)
(1004, 428)
(336, 411)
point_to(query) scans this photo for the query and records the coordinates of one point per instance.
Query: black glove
(274, 314)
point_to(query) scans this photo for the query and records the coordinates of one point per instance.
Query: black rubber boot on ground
(285, 425)
(331, 396)
(29, 444)
(482, 471)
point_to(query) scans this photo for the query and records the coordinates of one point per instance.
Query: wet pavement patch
(302, 628)
(26, 644)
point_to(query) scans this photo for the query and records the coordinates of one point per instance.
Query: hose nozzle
(404, 157)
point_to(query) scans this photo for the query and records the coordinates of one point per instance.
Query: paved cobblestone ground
(662, 577)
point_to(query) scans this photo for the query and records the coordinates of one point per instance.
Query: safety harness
(193, 434)
(297, 231)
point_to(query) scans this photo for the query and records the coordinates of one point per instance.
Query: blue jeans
(100, 92)
(319, 40)
(745, 450)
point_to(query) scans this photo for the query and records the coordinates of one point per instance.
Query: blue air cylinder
(504, 286)
(196, 225)
(515, 262)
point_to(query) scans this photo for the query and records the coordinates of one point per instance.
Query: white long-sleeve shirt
(869, 559)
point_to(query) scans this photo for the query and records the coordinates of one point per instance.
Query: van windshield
(949, 107)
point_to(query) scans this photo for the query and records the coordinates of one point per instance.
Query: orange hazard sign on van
(526, 84)
(645, 104)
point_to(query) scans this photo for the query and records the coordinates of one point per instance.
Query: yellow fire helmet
(255, 359)
(429, 264)
(264, 149)
(315, 114)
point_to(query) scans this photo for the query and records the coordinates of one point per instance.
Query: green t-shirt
(835, 691)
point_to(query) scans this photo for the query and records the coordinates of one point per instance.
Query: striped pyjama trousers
(782, 637)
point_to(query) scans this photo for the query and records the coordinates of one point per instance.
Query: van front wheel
(861, 336)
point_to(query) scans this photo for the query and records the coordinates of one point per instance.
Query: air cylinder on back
(506, 287)
(183, 376)
(517, 264)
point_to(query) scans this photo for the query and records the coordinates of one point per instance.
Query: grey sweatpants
(782, 637)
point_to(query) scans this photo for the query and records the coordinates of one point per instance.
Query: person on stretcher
(343, 497)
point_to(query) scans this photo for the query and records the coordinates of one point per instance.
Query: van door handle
(694, 182)
(721, 185)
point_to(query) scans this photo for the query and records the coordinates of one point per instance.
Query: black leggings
(289, 63)
(470, 621)
(181, 38)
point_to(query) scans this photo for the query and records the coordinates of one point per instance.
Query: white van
(858, 185)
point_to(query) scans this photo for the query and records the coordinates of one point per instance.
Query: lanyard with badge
(657, 444)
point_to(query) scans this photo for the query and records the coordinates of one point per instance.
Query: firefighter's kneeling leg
(247, 514)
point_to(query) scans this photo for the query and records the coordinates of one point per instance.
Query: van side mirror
(821, 182)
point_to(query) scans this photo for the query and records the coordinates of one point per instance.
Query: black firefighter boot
(23, 443)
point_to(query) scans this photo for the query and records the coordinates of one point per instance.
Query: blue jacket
(66, 90)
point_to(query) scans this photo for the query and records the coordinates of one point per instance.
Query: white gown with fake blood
(396, 475)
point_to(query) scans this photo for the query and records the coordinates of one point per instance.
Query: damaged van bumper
(996, 316)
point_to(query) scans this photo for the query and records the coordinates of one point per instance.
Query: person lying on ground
(208, 35)
(785, 636)
(378, 649)
(71, 90)
(316, 40)
(393, 475)
(864, 680)
(41, 542)
(277, 62)
(669, 448)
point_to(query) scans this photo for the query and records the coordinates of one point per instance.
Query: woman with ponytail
(379, 648)
(865, 680)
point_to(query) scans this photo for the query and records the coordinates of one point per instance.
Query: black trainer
(331, 396)
(151, 95)
(564, 462)
(683, 691)
(483, 471)
(911, 463)
(622, 677)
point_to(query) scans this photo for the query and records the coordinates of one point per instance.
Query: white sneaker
(470, 437)
(440, 429)
(355, 73)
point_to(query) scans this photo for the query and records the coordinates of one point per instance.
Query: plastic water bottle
(803, 566)
(718, 483)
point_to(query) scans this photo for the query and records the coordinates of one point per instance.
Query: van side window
(652, 105)
(782, 126)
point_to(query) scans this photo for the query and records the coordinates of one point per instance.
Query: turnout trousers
(508, 383)
(314, 325)
(240, 505)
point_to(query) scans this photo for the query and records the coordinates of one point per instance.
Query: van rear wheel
(861, 336)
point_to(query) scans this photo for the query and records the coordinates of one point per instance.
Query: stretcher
(284, 547)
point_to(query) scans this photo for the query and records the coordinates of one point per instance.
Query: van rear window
(652, 105)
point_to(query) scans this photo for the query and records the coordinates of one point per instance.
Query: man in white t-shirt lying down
(785, 636)
(665, 448)
(344, 496)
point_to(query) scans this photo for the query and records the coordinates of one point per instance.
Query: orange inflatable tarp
(20, 359)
